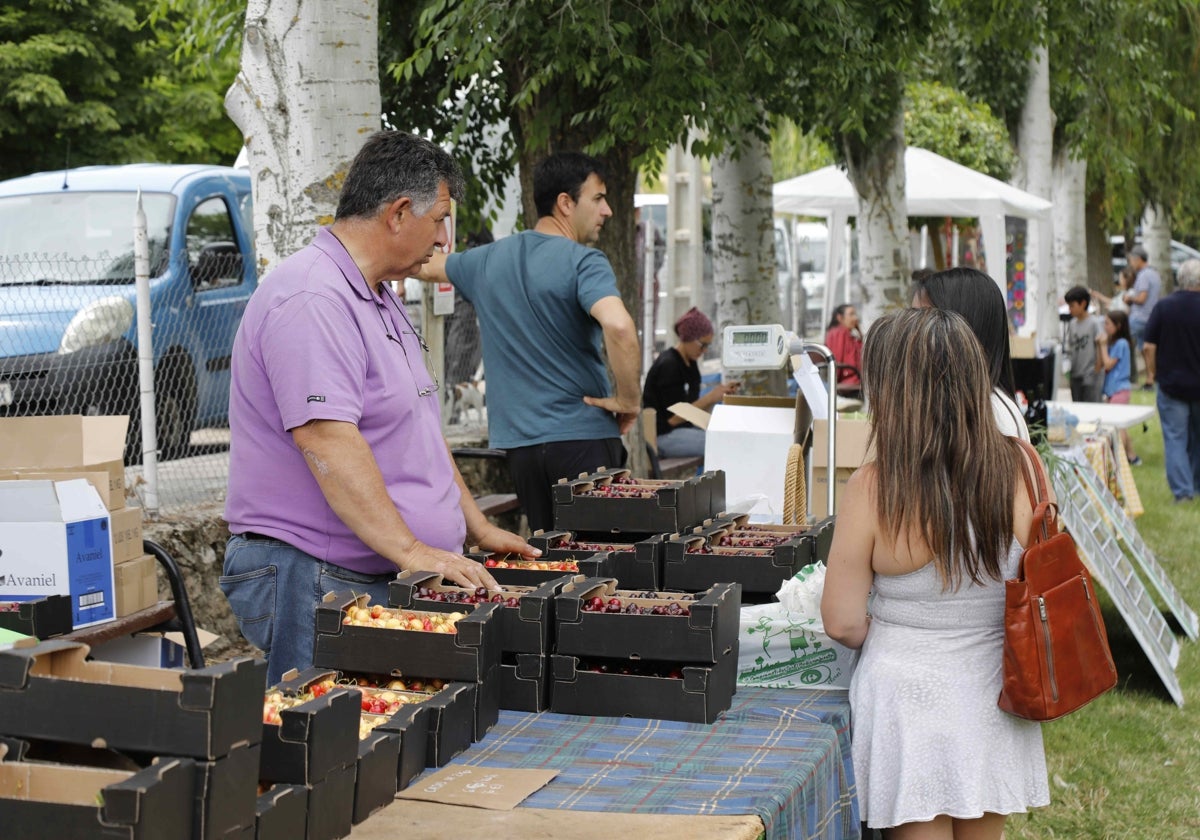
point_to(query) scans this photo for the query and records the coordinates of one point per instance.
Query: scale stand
(1089, 512)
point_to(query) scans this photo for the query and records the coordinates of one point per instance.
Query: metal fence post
(141, 272)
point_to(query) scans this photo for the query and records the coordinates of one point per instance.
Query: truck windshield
(79, 237)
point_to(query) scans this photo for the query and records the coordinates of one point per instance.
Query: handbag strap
(1045, 518)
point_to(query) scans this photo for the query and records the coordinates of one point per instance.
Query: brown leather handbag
(1056, 654)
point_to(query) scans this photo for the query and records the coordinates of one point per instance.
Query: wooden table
(126, 626)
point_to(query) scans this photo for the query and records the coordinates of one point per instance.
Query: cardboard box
(136, 585)
(410, 725)
(597, 565)
(225, 793)
(525, 682)
(851, 453)
(452, 720)
(468, 654)
(331, 806)
(375, 773)
(151, 650)
(780, 649)
(757, 570)
(54, 540)
(281, 813)
(706, 634)
(68, 443)
(750, 443)
(635, 565)
(699, 697)
(313, 739)
(53, 800)
(126, 526)
(668, 506)
(524, 628)
(50, 690)
(42, 617)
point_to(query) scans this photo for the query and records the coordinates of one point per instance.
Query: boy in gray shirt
(1084, 333)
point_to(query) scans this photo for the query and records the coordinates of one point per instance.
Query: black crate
(313, 738)
(42, 618)
(375, 772)
(148, 804)
(705, 635)
(524, 628)
(525, 683)
(636, 564)
(759, 570)
(331, 805)
(668, 506)
(698, 695)
(281, 813)
(468, 654)
(50, 690)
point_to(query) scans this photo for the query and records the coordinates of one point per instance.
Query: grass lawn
(1128, 764)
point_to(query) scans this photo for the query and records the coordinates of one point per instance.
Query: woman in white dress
(934, 525)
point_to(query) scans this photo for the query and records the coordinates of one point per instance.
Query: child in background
(1116, 359)
(1084, 333)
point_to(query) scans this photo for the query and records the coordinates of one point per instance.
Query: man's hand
(500, 541)
(449, 565)
(626, 414)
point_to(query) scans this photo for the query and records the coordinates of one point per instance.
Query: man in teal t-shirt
(549, 310)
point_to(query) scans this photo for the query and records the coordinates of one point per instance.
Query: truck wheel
(175, 412)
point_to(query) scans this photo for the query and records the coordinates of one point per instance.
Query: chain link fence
(69, 345)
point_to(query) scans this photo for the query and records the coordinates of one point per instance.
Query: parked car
(68, 324)
(1179, 253)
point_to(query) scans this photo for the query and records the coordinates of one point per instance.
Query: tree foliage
(86, 83)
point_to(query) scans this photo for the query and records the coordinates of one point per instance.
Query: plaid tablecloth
(778, 754)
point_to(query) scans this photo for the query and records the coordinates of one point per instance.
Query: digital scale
(770, 347)
(754, 347)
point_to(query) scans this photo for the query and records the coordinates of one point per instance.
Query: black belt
(250, 535)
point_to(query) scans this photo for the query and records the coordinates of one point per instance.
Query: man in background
(1141, 300)
(550, 313)
(1173, 353)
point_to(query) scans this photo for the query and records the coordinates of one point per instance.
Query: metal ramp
(1107, 540)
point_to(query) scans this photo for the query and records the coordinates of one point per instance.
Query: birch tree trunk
(1156, 237)
(877, 173)
(1070, 231)
(1035, 146)
(306, 98)
(744, 246)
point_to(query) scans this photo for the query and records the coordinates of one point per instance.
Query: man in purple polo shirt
(339, 475)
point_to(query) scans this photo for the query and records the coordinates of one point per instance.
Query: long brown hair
(944, 470)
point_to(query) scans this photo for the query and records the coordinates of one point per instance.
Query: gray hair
(395, 164)
(1189, 275)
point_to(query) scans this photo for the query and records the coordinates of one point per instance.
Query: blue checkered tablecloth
(780, 754)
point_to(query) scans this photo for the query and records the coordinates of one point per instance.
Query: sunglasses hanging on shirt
(412, 330)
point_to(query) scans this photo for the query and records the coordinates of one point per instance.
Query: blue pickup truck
(68, 324)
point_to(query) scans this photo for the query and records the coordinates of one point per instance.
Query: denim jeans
(1180, 421)
(684, 442)
(274, 590)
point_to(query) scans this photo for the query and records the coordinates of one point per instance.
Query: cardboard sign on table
(495, 788)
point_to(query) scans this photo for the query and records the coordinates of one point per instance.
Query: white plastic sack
(783, 645)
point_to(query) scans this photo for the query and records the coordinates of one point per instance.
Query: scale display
(754, 347)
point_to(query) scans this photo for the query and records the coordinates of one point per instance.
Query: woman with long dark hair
(976, 296)
(934, 525)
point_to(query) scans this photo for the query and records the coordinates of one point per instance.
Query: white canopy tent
(934, 186)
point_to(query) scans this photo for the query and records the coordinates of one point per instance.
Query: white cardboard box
(750, 443)
(55, 539)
